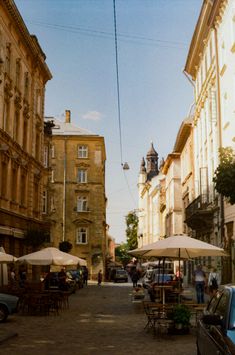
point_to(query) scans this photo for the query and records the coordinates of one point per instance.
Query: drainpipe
(220, 140)
(64, 190)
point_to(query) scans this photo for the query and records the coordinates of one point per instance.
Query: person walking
(85, 275)
(213, 282)
(199, 279)
(100, 276)
(135, 278)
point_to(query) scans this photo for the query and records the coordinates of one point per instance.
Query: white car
(8, 305)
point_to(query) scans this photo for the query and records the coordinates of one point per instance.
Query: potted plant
(181, 316)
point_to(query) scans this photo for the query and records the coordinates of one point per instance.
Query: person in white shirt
(213, 282)
(199, 279)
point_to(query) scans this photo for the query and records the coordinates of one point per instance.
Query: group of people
(202, 283)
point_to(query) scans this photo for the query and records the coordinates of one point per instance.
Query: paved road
(100, 320)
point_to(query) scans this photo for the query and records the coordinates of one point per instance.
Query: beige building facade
(76, 198)
(23, 76)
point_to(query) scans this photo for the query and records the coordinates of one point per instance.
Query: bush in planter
(181, 315)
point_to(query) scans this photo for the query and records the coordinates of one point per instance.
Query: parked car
(121, 275)
(216, 328)
(159, 279)
(53, 282)
(8, 305)
(76, 276)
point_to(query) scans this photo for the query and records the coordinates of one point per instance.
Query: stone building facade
(76, 198)
(23, 76)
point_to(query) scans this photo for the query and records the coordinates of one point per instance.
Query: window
(81, 236)
(82, 151)
(53, 151)
(82, 176)
(52, 176)
(45, 157)
(26, 85)
(82, 204)
(4, 178)
(23, 189)
(18, 72)
(6, 111)
(37, 146)
(8, 59)
(36, 194)
(14, 178)
(44, 202)
(17, 126)
(25, 135)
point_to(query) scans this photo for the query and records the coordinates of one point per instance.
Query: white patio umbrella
(4, 260)
(179, 246)
(52, 256)
(7, 258)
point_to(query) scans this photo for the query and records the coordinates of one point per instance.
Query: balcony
(199, 214)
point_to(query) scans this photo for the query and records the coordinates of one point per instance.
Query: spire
(152, 162)
(142, 166)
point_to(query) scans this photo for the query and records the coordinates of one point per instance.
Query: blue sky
(153, 37)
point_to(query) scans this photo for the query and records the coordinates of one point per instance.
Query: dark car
(8, 305)
(121, 275)
(160, 279)
(76, 276)
(216, 328)
(52, 281)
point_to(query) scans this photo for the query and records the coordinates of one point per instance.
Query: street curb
(7, 336)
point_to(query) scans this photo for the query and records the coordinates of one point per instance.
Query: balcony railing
(199, 213)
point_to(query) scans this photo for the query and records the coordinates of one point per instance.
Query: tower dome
(152, 162)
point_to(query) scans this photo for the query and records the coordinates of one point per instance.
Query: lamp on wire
(125, 166)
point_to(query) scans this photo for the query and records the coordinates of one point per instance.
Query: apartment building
(23, 76)
(76, 202)
(210, 64)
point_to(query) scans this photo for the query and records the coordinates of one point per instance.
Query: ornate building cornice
(29, 40)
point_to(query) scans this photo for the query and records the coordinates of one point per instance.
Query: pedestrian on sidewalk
(100, 276)
(135, 278)
(199, 280)
(213, 281)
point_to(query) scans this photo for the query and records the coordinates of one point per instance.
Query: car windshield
(232, 313)
(122, 272)
(162, 278)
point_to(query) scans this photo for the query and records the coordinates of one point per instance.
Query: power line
(104, 34)
(117, 77)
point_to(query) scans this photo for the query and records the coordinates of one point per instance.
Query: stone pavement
(100, 320)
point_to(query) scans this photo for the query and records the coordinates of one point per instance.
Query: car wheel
(3, 313)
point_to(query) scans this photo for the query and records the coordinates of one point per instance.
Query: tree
(131, 231)
(65, 246)
(224, 177)
(121, 254)
(36, 237)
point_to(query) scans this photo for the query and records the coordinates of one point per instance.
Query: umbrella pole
(179, 278)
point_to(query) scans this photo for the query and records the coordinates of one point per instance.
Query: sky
(153, 39)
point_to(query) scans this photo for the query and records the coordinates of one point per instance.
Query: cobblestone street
(100, 320)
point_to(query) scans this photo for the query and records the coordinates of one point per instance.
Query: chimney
(67, 116)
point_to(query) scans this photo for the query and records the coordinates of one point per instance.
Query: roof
(208, 15)
(183, 134)
(67, 129)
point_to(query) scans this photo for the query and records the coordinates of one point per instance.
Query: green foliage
(121, 254)
(65, 246)
(224, 177)
(35, 238)
(131, 230)
(181, 314)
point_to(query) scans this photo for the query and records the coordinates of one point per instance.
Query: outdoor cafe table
(162, 288)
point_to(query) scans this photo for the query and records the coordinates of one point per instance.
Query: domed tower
(152, 162)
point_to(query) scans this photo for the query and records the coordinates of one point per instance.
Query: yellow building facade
(76, 197)
(23, 76)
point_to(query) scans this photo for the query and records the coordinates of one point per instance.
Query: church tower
(152, 163)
